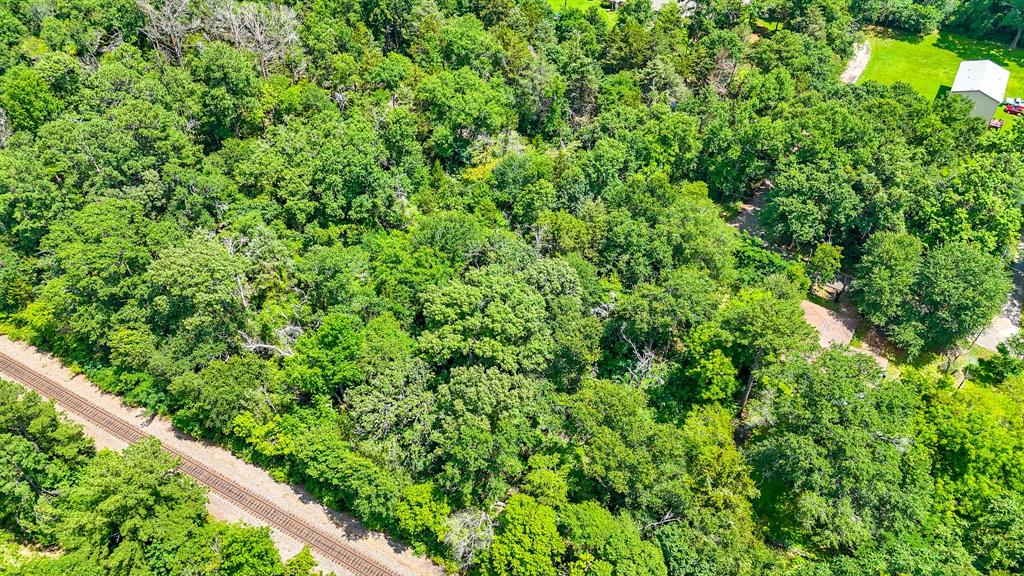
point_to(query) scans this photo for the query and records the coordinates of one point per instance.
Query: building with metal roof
(983, 82)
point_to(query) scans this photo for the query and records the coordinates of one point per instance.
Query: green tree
(492, 317)
(208, 402)
(759, 329)
(100, 255)
(302, 564)
(628, 458)
(326, 362)
(813, 203)
(132, 509)
(195, 283)
(961, 289)
(341, 477)
(574, 330)
(527, 542)
(461, 107)
(15, 281)
(246, 551)
(977, 204)
(884, 281)
(422, 513)
(654, 316)
(488, 423)
(388, 19)
(975, 433)
(393, 404)
(41, 455)
(1006, 363)
(716, 533)
(27, 99)
(996, 538)
(230, 90)
(838, 459)
(606, 544)
(824, 264)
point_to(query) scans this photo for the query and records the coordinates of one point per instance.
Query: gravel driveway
(855, 67)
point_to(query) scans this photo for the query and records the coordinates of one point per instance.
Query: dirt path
(833, 326)
(746, 218)
(839, 327)
(855, 67)
(1007, 323)
(288, 501)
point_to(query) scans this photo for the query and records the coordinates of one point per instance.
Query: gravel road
(855, 67)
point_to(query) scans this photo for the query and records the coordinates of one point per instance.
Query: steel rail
(340, 552)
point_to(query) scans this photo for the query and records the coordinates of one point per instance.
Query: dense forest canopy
(462, 268)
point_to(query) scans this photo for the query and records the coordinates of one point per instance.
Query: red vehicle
(1015, 109)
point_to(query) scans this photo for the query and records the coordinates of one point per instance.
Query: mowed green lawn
(558, 5)
(929, 63)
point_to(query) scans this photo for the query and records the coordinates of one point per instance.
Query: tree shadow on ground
(973, 49)
(900, 35)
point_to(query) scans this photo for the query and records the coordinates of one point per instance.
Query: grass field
(558, 5)
(929, 63)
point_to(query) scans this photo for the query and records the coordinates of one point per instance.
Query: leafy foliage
(461, 268)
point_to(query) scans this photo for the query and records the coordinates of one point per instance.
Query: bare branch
(168, 24)
(5, 128)
(469, 532)
(267, 30)
(668, 518)
(255, 345)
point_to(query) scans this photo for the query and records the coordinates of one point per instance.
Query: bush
(342, 479)
(422, 513)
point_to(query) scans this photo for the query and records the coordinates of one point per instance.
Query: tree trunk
(1016, 39)
(967, 374)
(750, 385)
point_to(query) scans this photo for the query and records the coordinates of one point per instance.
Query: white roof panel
(983, 76)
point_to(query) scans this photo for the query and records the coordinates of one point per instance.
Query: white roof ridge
(983, 76)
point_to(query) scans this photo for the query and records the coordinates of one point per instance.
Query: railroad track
(340, 552)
